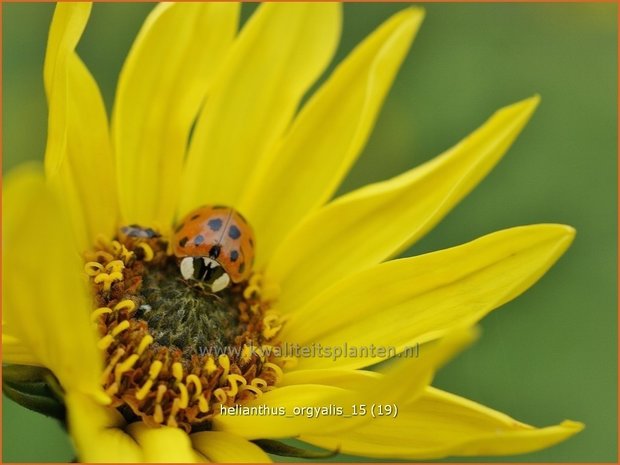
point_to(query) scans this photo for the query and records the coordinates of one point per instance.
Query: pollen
(175, 352)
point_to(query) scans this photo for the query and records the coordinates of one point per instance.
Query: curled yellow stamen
(234, 381)
(249, 387)
(125, 366)
(112, 390)
(155, 369)
(275, 368)
(271, 325)
(176, 405)
(108, 279)
(148, 251)
(93, 268)
(144, 390)
(246, 354)
(105, 342)
(251, 291)
(94, 316)
(126, 255)
(224, 363)
(117, 276)
(158, 415)
(127, 304)
(115, 265)
(220, 395)
(177, 371)
(210, 365)
(203, 405)
(193, 379)
(259, 383)
(269, 333)
(161, 390)
(99, 256)
(144, 343)
(111, 364)
(184, 395)
(116, 247)
(122, 326)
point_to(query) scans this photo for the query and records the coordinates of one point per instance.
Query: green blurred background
(547, 356)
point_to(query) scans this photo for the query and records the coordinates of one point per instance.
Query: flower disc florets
(174, 351)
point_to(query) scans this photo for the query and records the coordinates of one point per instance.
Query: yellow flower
(321, 276)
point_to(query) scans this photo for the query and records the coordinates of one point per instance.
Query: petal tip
(526, 106)
(566, 232)
(574, 426)
(560, 233)
(412, 16)
(534, 100)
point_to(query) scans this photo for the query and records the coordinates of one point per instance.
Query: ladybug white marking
(205, 269)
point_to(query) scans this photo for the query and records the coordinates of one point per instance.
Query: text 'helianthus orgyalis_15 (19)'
(115, 325)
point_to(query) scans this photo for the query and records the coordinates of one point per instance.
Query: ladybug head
(205, 269)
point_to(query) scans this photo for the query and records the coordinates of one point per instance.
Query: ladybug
(138, 232)
(136, 237)
(214, 244)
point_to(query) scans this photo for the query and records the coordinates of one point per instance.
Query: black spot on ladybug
(233, 232)
(215, 251)
(197, 215)
(199, 239)
(179, 227)
(215, 224)
(242, 267)
(251, 242)
(135, 226)
(183, 241)
(234, 255)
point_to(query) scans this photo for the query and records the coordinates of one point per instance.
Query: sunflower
(95, 305)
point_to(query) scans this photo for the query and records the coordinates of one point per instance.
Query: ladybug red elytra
(215, 244)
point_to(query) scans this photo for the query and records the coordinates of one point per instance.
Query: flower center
(174, 351)
(187, 316)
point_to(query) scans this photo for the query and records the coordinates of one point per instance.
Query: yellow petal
(344, 378)
(162, 445)
(288, 422)
(402, 381)
(222, 447)
(46, 301)
(369, 225)
(414, 300)
(14, 351)
(67, 27)
(279, 54)
(440, 424)
(161, 87)
(78, 156)
(97, 432)
(328, 134)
